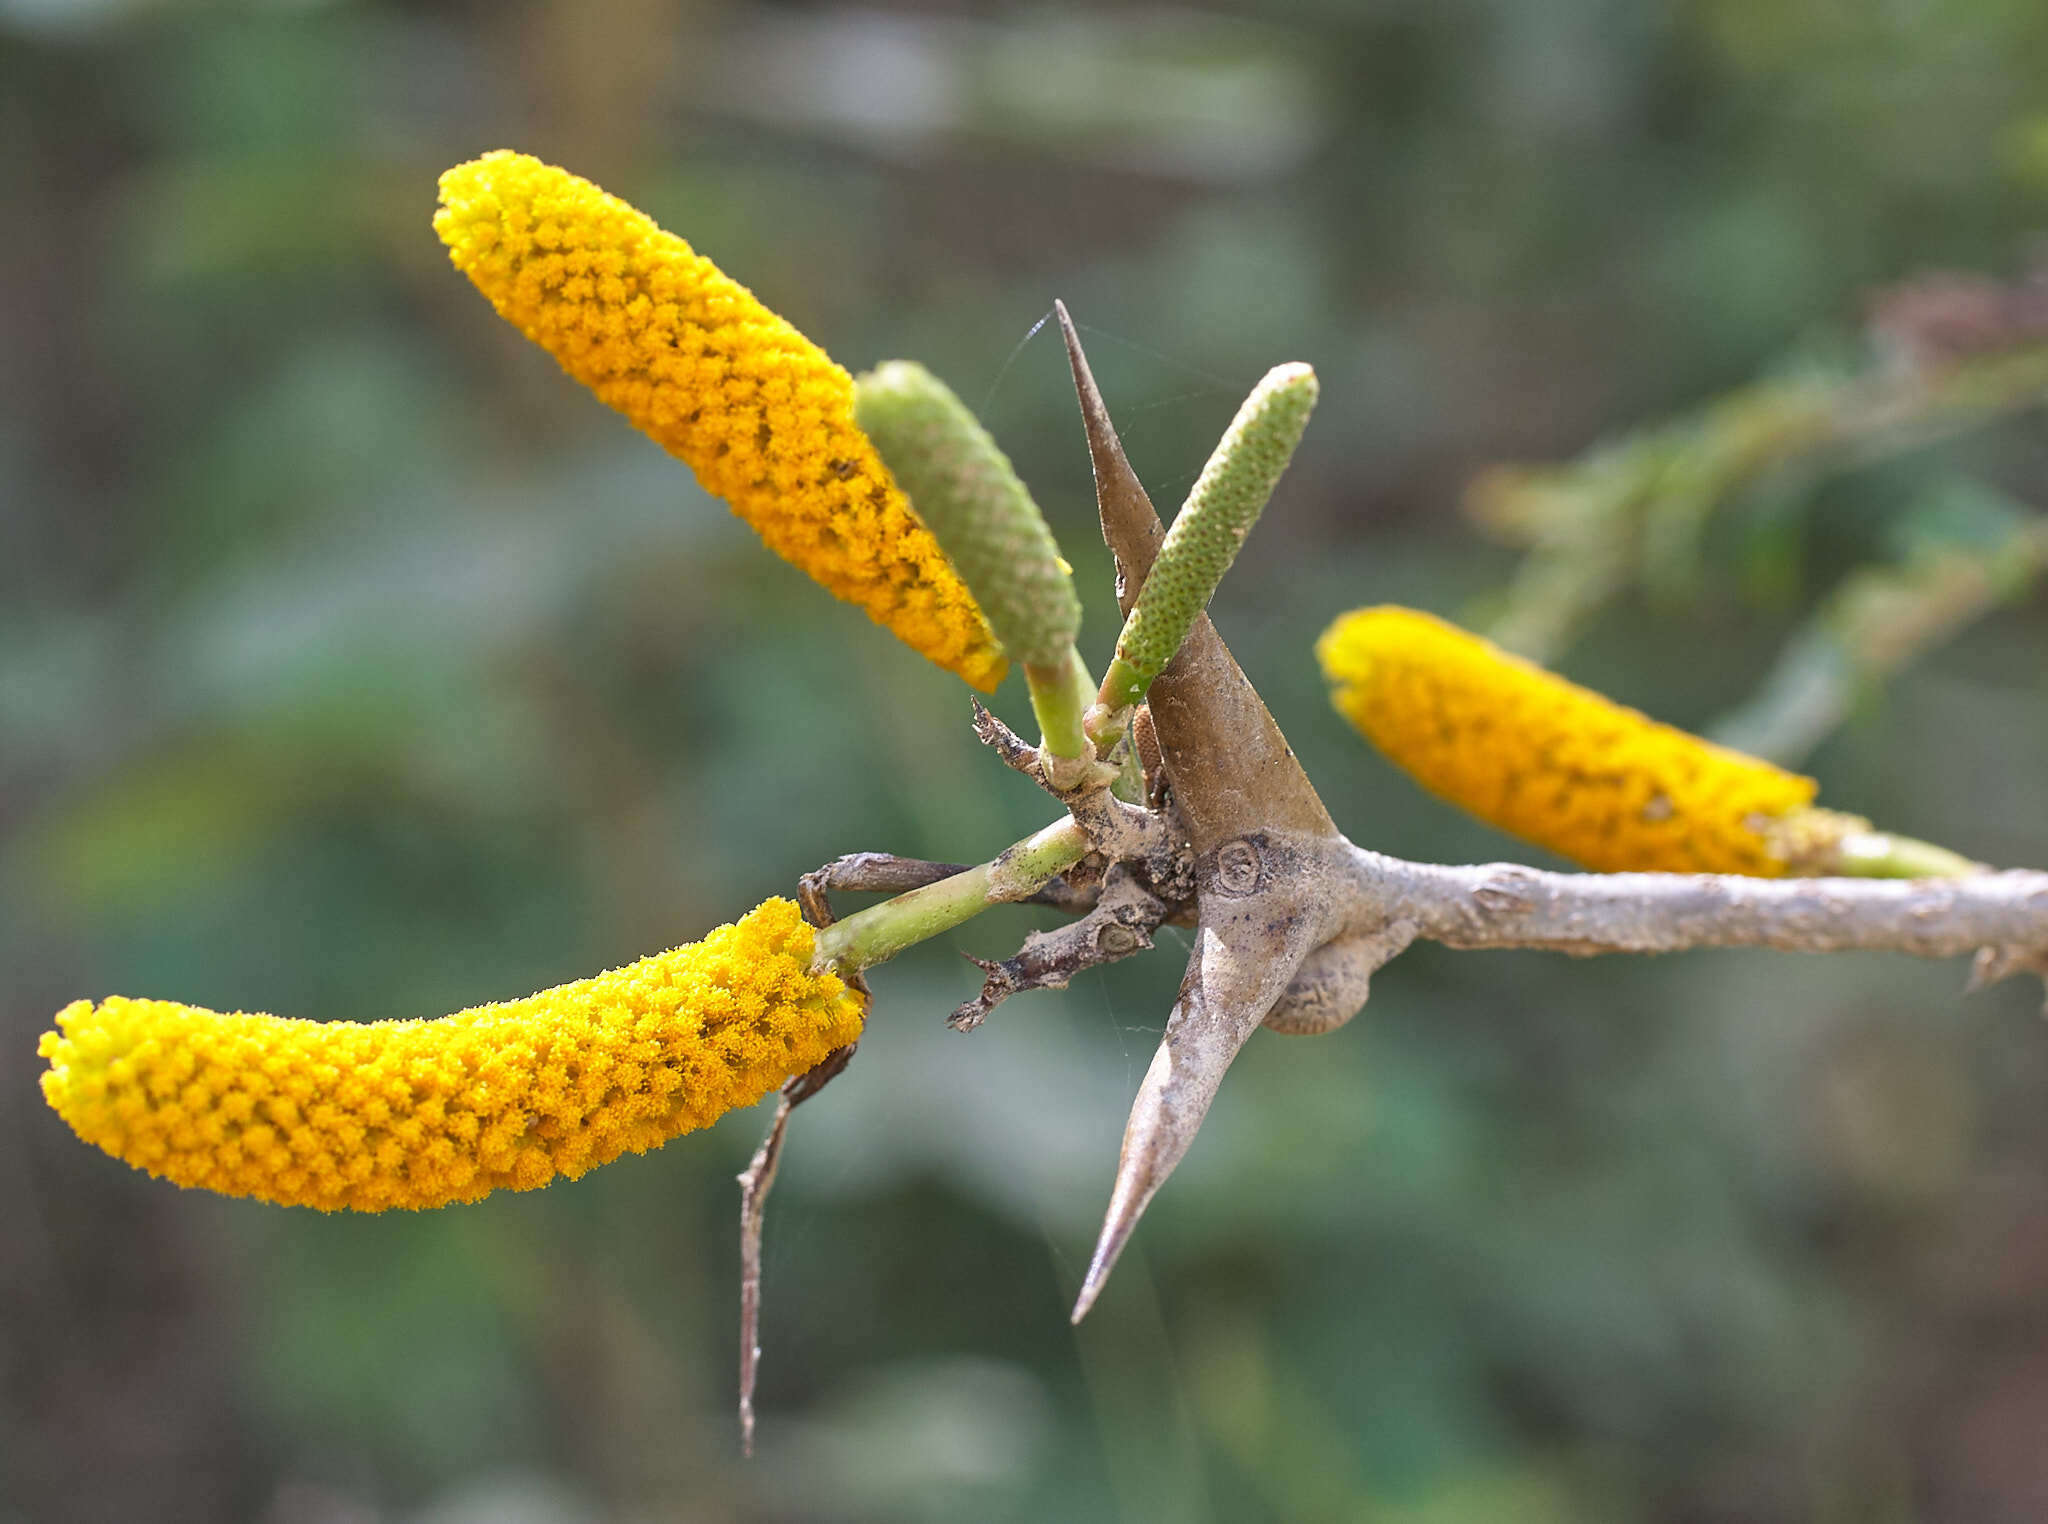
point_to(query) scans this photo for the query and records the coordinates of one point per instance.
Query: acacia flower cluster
(427, 1113)
(1551, 762)
(699, 365)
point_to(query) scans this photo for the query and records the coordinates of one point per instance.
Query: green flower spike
(1227, 500)
(965, 491)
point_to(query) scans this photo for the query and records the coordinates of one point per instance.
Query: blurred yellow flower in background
(1549, 761)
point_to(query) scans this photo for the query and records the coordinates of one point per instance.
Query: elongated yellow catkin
(696, 363)
(1549, 761)
(425, 1113)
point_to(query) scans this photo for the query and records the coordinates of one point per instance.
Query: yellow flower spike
(1551, 762)
(696, 363)
(427, 1113)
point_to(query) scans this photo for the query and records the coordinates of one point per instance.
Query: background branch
(1878, 621)
(1635, 510)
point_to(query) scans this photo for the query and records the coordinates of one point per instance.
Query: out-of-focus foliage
(353, 662)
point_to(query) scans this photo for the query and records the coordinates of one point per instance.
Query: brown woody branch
(1505, 905)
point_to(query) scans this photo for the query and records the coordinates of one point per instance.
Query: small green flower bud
(983, 517)
(1226, 501)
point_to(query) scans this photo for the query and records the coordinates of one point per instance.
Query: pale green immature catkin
(983, 517)
(1227, 500)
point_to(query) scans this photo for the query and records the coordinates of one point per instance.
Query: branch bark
(1505, 905)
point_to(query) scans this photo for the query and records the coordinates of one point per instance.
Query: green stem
(1060, 695)
(880, 932)
(1123, 687)
(1879, 854)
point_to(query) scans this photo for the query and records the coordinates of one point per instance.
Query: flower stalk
(1060, 696)
(1867, 853)
(880, 932)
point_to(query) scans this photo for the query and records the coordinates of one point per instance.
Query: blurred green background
(354, 663)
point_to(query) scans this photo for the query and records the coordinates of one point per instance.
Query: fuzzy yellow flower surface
(1549, 761)
(694, 361)
(425, 1113)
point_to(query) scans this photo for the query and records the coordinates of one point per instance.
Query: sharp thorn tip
(1091, 1286)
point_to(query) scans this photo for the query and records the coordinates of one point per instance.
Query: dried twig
(1121, 924)
(756, 1181)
